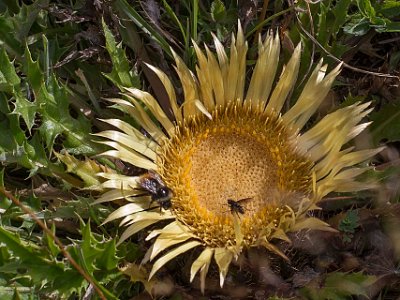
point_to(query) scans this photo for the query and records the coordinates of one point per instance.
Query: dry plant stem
(56, 240)
(314, 40)
(388, 164)
(337, 198)
(261, 18)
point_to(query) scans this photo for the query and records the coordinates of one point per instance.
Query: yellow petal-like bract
(227, 141)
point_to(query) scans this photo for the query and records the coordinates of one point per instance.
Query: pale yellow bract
(229, 142)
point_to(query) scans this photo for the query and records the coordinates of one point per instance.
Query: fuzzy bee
(160, 193)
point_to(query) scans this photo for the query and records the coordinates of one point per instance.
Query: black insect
(236, 206)
(160, 193)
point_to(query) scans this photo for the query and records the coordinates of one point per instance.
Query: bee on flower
(225, 137)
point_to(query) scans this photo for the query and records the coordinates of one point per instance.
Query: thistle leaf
(8, 77)
(120, 75)
(386, 124)
(86, 169)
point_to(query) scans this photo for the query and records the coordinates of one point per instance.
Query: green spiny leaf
(340, 11)
(14, 244)
(386, 124)
(13, 140)
(86, 169)
(389, 8)
(33, 71)
(98, 253)
(27, 17)
(53, 106)
(36, 154)
(25, 108)
(323, 33)
(350, 222)
(58, 277)
(8, 77)
(218, 11)
(28, 255)
(108, 259)
(366, 8)
(51, 245)
(121, 75)
(358, 25)
(4, 255)
(54, 111)
(67, 283)
(7, 36)
(348, 284)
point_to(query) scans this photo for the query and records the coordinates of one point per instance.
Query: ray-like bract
(229, 142)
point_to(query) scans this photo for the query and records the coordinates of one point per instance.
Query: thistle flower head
(229, 142)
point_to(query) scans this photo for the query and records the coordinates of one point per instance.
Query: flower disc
(242, 153)
(243, 171)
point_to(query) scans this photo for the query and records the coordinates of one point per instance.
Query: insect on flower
(160, 193)
(309, 159)
(236, 206)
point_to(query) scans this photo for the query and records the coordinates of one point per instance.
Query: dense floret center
(230, 165)
(242, 153)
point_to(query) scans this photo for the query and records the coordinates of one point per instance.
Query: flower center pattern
(242, 152)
